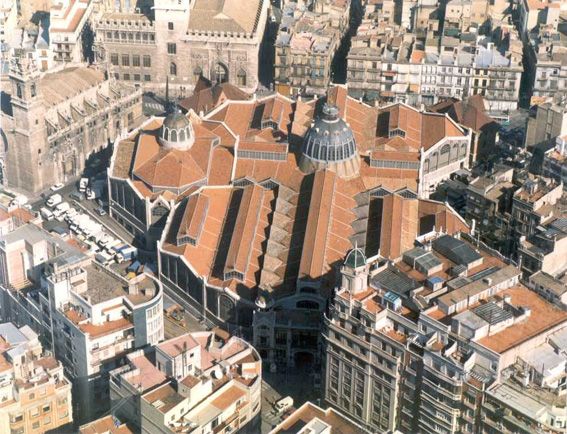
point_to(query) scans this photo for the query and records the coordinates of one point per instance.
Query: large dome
(329, 143)
(177, 131)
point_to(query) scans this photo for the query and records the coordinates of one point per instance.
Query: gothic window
(221, 73)
(173, 136)
(182, 135)
(173, 68)
(241, 77)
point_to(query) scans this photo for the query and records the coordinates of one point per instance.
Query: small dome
(355, 258)
(177, 131)
(330, 143)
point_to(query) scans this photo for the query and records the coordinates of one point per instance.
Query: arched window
(463, 150)
(173, 136)
(444, 155)
(433, 161)
(241, 77)
(426, 166)
(166, 133)
(182, 135)
(454, 152)
(173, 68)
(197, 73)
(221, 73)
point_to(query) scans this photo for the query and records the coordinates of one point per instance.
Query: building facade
(182, 41)
(35, 394)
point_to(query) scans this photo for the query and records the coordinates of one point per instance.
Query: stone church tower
(26, 134)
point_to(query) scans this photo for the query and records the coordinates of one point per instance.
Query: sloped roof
(225, 15)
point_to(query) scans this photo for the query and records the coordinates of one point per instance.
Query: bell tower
(27, 135)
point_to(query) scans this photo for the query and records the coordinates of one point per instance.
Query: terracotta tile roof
(148, 377)
(106, 328)
(225, 16)
(174, 347)
(544, 316)
(400, 225)
(228, 397)
(105, 425)
(307, 412)
(244, 229)
(194, 217)
(164, 398)
(328, 225)
(208, 98)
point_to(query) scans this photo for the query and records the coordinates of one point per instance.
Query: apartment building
(35, 394)
(67, 23)
(199, 383)
(555, 161)
(306, 44)
(549, 287)
(90, 315)
(181, 41)
(57, 120)
(437, 340)
(547, 122)
(388, 63)
(8, 19)
(546, 248)
(544, 30)
(488, 203)
(537, 202)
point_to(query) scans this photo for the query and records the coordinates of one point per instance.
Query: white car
(57, 186)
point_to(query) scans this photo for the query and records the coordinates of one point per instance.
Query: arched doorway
(221, 73)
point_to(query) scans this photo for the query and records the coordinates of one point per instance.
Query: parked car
(284, 404)
(83, 184)
(54, 200)
(57, 186)
(77, 195)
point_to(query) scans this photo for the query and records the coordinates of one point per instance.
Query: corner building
(444, 339)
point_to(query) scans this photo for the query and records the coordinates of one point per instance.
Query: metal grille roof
(492, 313)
